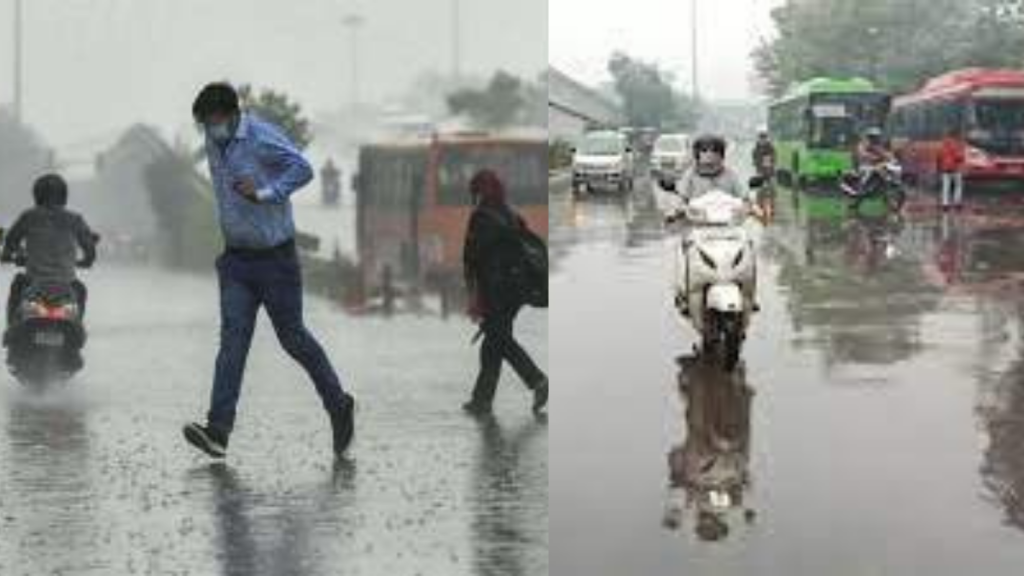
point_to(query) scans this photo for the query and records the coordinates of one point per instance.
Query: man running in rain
(255, 169)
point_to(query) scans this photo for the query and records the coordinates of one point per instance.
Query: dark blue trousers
(271, 280)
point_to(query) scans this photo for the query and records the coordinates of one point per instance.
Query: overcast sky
(95, 66)
(583, 34)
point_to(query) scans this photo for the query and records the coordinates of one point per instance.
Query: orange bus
(414, 204)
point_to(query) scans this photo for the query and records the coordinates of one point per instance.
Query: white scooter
(716, 272)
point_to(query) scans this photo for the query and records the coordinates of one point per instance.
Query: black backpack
(530, 270)
(523, 264)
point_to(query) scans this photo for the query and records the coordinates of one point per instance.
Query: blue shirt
(258, 150)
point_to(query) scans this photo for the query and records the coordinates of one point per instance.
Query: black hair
(709, 142)
(51, 191)
(215, 98)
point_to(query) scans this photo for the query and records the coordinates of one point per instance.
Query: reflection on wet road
(95, 478)
(875, 427)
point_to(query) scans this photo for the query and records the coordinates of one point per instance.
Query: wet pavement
(876, 426)
(96, 479)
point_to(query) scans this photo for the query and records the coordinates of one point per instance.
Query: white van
(670, 158)
(602, 159)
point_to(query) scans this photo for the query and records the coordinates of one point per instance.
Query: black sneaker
(540, 396)
(207, 439)
(343, 425)
(477, 409)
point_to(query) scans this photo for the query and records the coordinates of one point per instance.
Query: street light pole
(18, 55)
(693, 50)
(354, 22)
(456, 39)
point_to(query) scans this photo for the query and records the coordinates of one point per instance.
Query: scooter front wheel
(731, 341)
(723, 339)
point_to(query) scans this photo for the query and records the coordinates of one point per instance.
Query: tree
(23, 156)
(647, 94)
(897, 44)
(499, 105)
(277, 108)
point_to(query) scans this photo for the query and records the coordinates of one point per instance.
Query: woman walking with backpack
(491, 241)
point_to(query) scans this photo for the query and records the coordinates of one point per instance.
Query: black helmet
(709, 142)
(51, 191)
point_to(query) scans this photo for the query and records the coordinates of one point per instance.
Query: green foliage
(559, 154)
(183, 203)
(897, 44)
(648, 97)
(22, 158)
(500, 104)
(277, 108)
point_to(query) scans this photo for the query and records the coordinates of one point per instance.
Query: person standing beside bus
(951, 164)
(492, 304)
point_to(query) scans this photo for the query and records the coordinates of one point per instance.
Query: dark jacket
(763, 149)
(51, 238)
(485, 255)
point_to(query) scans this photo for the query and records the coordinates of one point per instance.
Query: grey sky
(94, 66)
(583, 33)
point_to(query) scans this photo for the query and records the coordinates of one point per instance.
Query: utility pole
(18, 64)
(693, 50)
(456, 40)
(354, 22)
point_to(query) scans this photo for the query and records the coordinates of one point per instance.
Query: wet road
(95, 478)
(877, 427)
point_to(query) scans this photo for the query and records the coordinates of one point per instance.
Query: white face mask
(709, 160)
(708, 157)
(221, 132)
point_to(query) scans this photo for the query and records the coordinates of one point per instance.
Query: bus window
(522, 169)
(1001, 120)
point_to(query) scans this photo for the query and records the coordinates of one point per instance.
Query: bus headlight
(977, 157)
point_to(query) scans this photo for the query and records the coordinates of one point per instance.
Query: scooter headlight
(719, 499)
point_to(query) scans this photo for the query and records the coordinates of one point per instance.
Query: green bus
(817, 124)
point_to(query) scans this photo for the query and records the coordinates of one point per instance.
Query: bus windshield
(997, 126)
(522, 169)
(838, 120)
